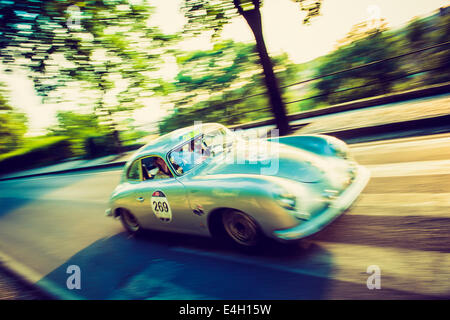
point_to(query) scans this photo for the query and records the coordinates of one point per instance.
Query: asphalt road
(12, 288)
(401, 224)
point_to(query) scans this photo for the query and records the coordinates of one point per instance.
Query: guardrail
(357, 104)
(230, 103)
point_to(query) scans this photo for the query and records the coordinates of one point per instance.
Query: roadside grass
(36, 152)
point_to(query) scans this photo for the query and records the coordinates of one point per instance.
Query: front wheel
(130, 222)
(241, 229)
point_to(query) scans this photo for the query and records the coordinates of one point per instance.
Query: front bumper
(334, 210)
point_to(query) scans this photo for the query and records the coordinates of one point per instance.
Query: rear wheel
(241, 229)
(130, 222)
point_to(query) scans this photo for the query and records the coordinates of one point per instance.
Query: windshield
(200, 148)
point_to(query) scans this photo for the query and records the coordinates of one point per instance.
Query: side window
(154, 168)
(134, 171)
(216, 141)
(189, 155)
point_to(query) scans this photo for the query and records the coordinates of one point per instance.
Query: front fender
(323, 145)
(250, 194)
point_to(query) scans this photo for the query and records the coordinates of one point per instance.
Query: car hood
(271, 159)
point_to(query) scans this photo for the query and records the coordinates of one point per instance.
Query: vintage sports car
(209, 181)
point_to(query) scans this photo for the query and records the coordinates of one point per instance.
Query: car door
(166, 205)
(163, 199)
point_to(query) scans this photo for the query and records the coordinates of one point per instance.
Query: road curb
(34, 279)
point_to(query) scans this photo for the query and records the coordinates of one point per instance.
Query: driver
(161, 171)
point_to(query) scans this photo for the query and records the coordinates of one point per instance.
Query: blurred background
(85, 79)
(85, 83)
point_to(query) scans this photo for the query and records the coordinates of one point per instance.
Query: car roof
(161, 145)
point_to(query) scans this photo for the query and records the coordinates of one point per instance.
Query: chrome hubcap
(130, 221)
(240, 228)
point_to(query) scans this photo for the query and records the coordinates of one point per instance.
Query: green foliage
(424, 68)
(207, 15)
(39, 152)
(439, 32)
(78, 128)
(213, 15)
(378, 77)
(13, 124)
(416, 32)
(37, 30)
(97, 146)
(131, 137)
(92, 45)
(223, 76)
(212, 71)
(88, 137)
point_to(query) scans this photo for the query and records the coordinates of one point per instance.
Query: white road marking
(398, 143)
(416, 168)
(418, 271)
(401, 202)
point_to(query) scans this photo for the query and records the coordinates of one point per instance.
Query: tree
(210, 72)
(425, 32)
(12, 124)
(129, 51)
(416, 32)
(219, 85)
(363, 30)
(214, 14)
(441, 58)
(89, 43)
(79, 128)
(359, 83)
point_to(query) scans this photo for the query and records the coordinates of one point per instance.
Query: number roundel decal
(160, 206)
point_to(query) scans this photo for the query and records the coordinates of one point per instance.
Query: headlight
(287, 201)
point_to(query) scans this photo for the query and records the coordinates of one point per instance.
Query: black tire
(130, 222)
(241, 229)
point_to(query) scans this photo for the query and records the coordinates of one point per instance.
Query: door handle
(140, 199)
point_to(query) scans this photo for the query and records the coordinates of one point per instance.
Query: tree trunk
(112, 125)
(253, 18)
